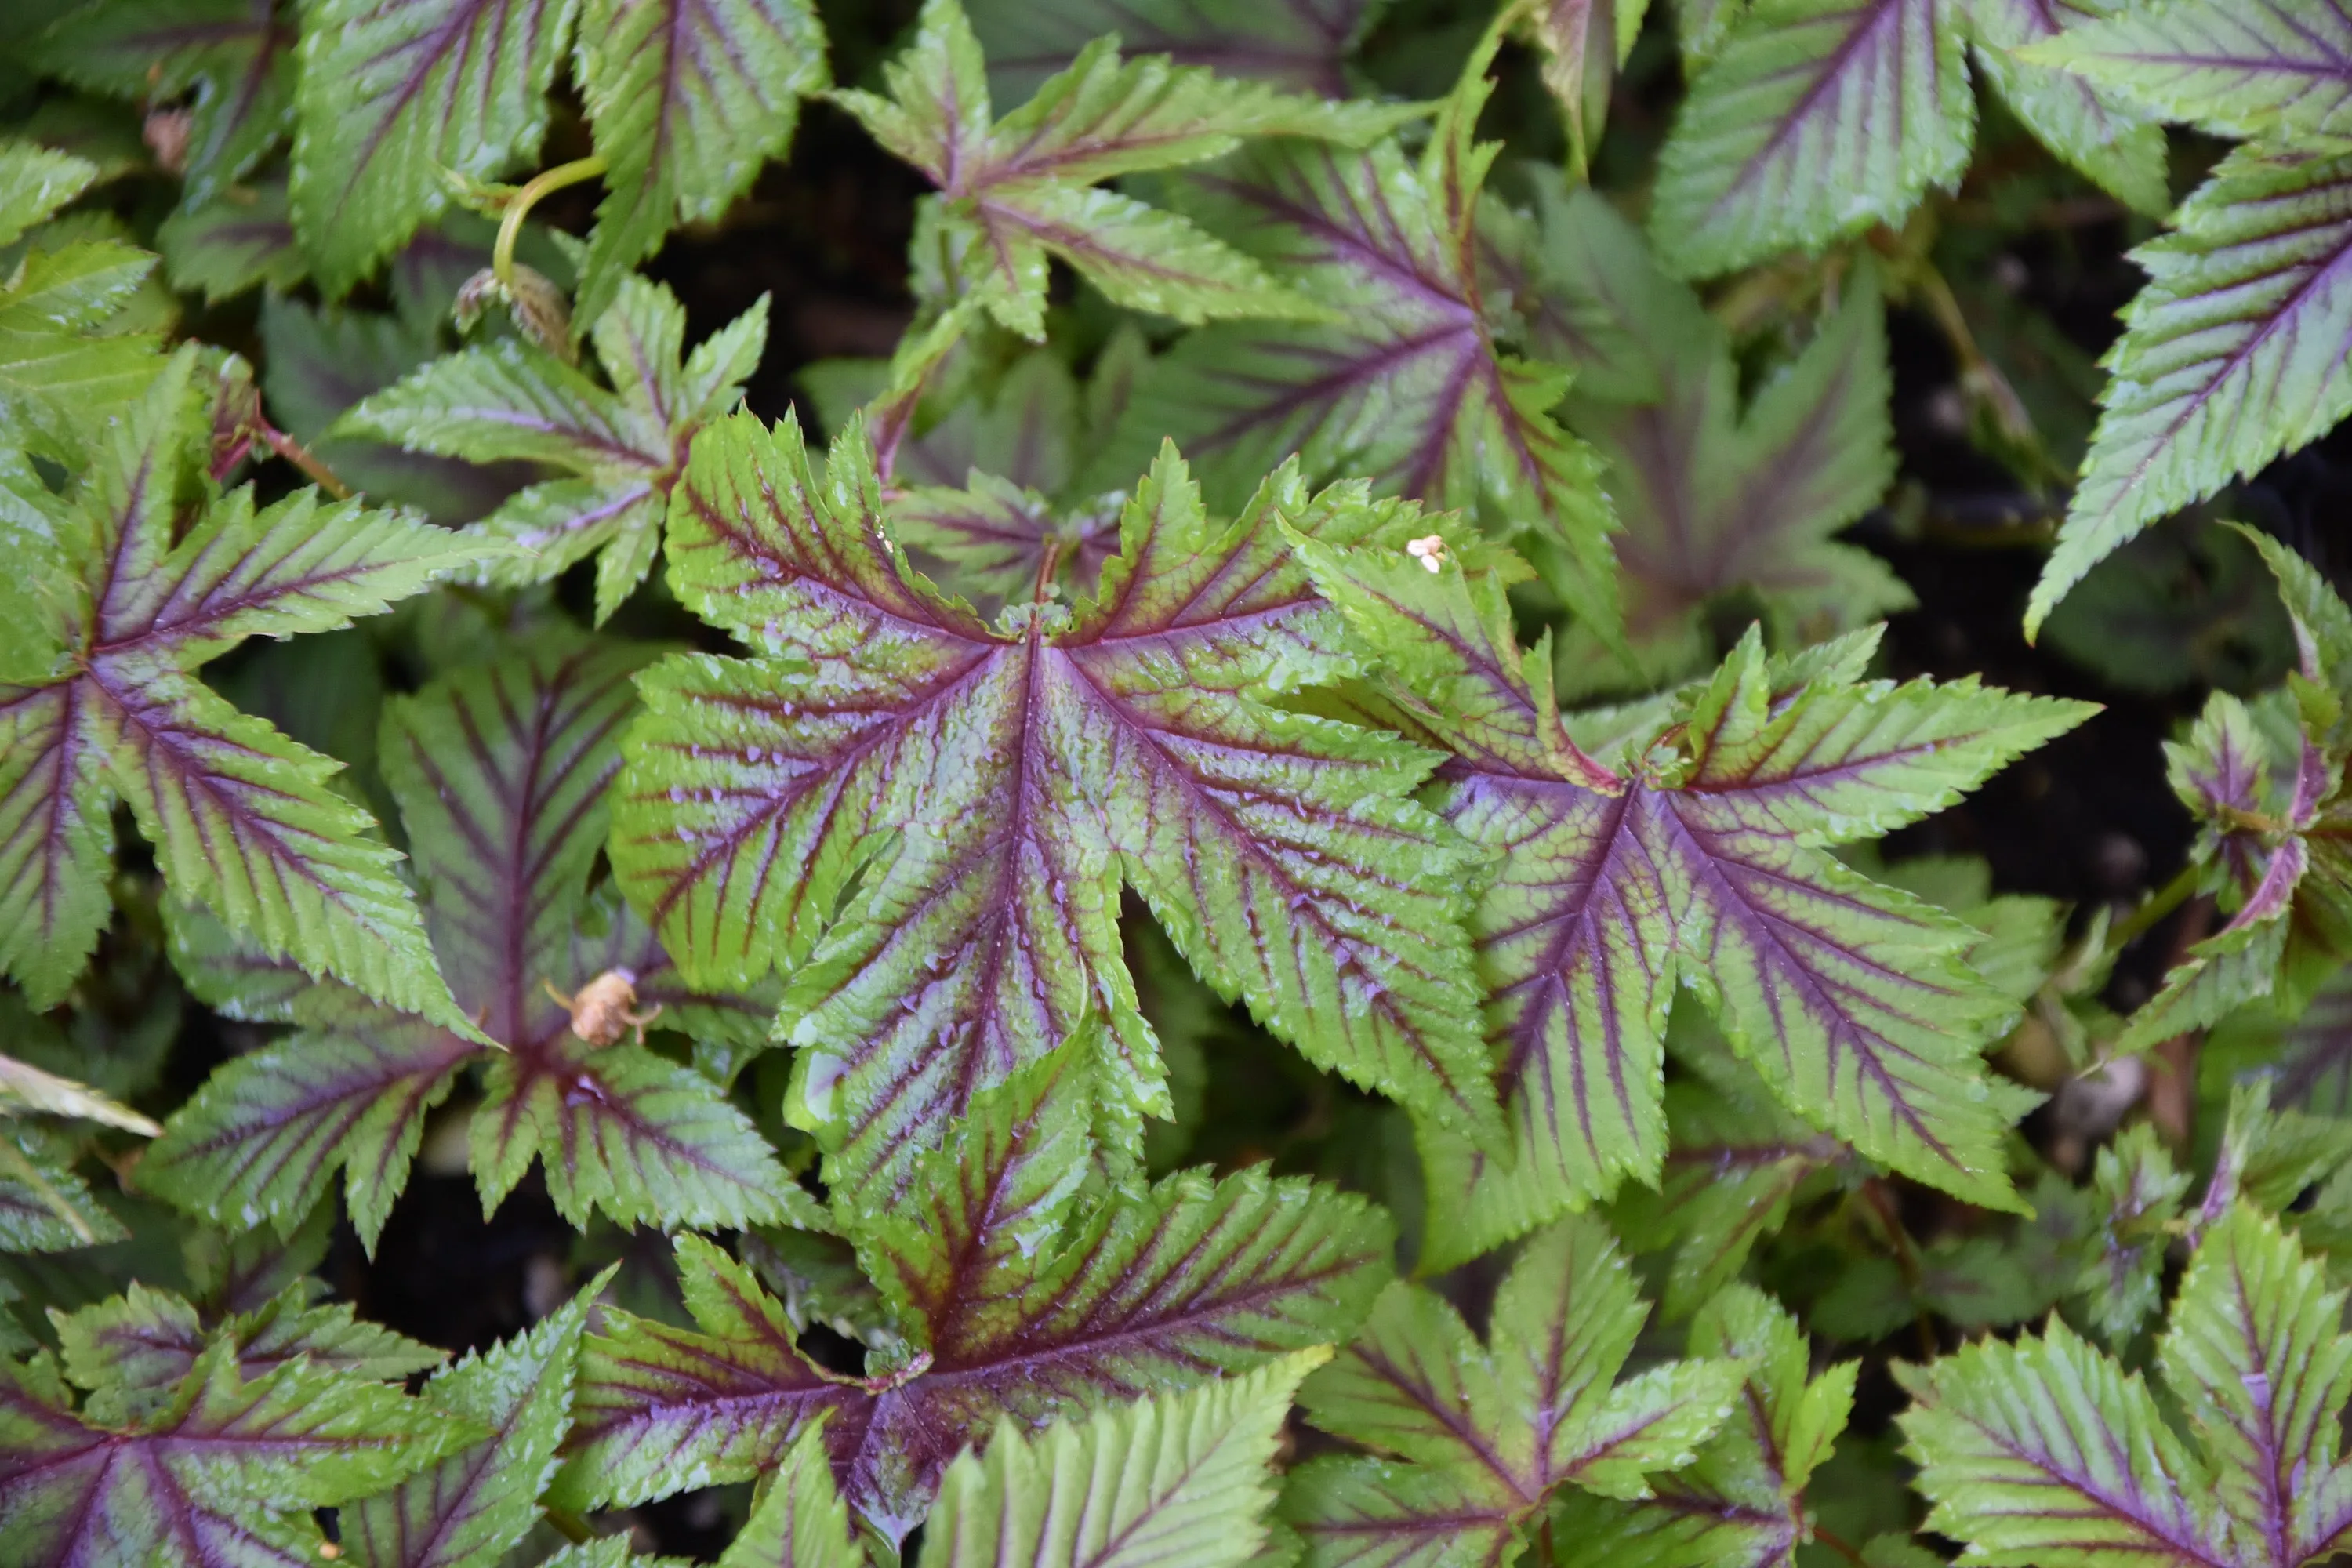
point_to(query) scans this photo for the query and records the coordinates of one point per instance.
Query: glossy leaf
(1703, 864)
(688, 99)
(621, 449)
(240, 817)
(1016, 190)
(1483, 1437)
(501, 772)
(2256, 69)
(146, 1342)
(1014, 1301)
(2097, 130)
(2048, 1452)
(1406, 388)
(233, 60)
(1178, 1478)
(1818, 119)
(391, 92)
(219, 1475)
(2232, 354)
(1026, 770)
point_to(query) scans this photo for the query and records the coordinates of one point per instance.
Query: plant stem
(2158, 904)
(302, 457)
(541, 184)
(569, 1526)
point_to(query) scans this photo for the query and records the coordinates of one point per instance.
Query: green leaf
(241, 818)
(1011, 1299)
(1487, 1434)
(2097, 130)
(35, 182)
(1014, 191)
(1742, 1499)
(2047, 1452)
(2232, 354)
(687, 100)
(472, 1508)
(233, 59)
(44, 1207)
(1026, 771)
(1819, 119)
(2139, 1194)
(621, 448)
(391, 96)
(1713, 497)
(1301, 44)
(800, 1520)
(2265, 69)
(1178, 1478)
(226, 246)
(219, 1474)
(62, 380)
(1706, 864)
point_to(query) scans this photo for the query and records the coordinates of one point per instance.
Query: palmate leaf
(1026, 770)
(392, 93)
(2232, 354)
(233, 60)
(222, 1475)
(1741, 1503)
(1014, 191)
(1487, 1434)
(1712, 497)
(473, 1507)
(501, 772)
(2048, 1452)
(1302, 45)
(1181, 1478)
(800, 1520)
(2239, 67)
(1818, 119)
(1406, 386)
(688, 99)
(1024, 1287)
(1705, 862)
(241, 818)
(621, 448)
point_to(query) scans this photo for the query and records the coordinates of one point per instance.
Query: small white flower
(1430, 551)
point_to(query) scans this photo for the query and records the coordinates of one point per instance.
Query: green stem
(2160, 903)
(542, 184)
(302, 457)
(569, 1526)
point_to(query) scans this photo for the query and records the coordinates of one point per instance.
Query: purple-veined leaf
(1704, 863)
(2098, 131)
(2139, 1194)
(316, 363)
(146, 1342)
(501, 772)
(1742, 1501)
(394, 92)
(1172, 1477)
(1026, 771)
(1818, 119)
(1302, 45)
(1406, 387)
(472, 1508)
(241, 818)
(233, 60)
(2309, 1056)
(2232, 354)
(2237, 67)
(621, 448)
(43, 1206)
(1483, 1436)
(688, 99)
(1014, 191)
(1014, 1300)
(1711, 496)
(2048, 1452)
(229, 245)
(1584, 43)
(216, 1478)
